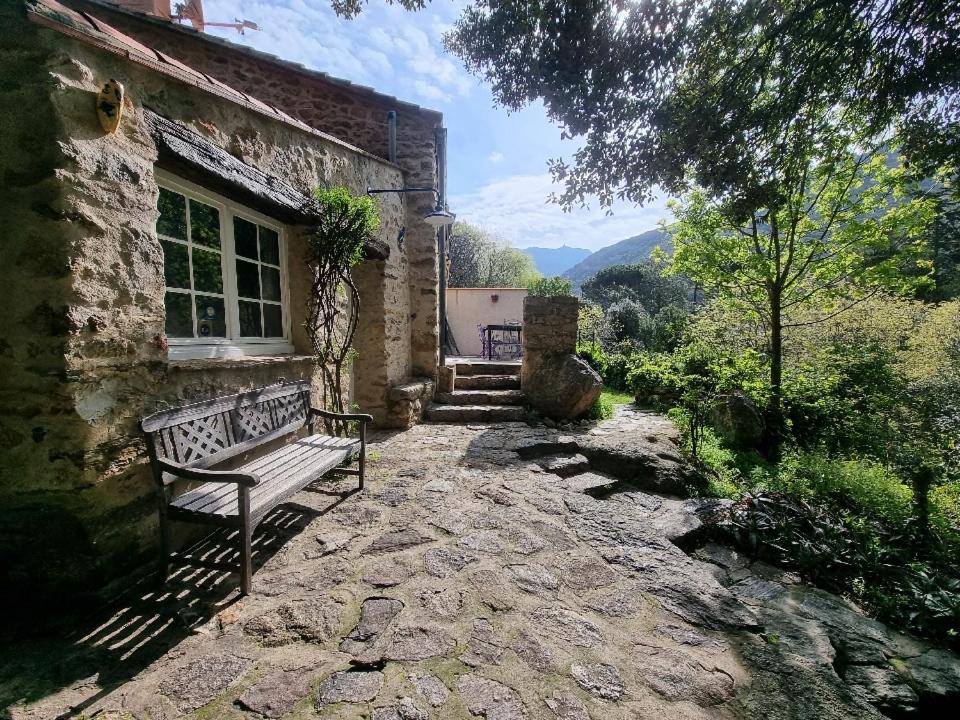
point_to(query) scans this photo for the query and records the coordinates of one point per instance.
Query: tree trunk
(774, 425)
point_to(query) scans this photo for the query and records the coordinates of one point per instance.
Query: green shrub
(550, 287)
(862, 486)
(602, 408)
(593, 353)
(655, 378)
(945, 510)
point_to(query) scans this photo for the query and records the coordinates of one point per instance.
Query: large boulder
(562, 386)
(738, 420)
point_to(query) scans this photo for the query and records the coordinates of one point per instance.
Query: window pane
(248, 279)
(272, 321)
(210, 317)
(179, 318)
(176, 264)
(269, 246)
(270, 283)
(204, 224)
(250, 319)
(207, 271)
(173, 214)
(245, 237)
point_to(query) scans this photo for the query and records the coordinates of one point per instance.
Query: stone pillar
(554, 380)
(549, 326)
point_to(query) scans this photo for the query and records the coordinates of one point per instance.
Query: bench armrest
(359, 417)
(243, 479)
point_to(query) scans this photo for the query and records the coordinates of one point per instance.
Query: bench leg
(363, 452)
(164, 569)
(246, 537)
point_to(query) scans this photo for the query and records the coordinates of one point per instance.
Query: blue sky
(498, 161)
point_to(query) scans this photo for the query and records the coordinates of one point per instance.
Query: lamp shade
(440, 218)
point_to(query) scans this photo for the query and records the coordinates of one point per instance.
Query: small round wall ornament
(110, 105)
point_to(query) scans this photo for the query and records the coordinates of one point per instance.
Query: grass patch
(604, 405)
(617, 397)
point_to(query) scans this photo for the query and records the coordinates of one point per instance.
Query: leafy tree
(717, 92)
(477, 259)
(550, 287)
(468, 250)
(626, 317)
(847, 228)
(643, 282)
(509, 267)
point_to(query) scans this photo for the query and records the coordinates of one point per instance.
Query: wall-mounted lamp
(439, 218)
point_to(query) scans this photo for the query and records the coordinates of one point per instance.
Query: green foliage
(643, 282)
(344, 224)
(593, 353)
(642, 307)
(602, 408)
(478, 259)
(550, 287)
(899, 578)
(605, 405)
(722, 94)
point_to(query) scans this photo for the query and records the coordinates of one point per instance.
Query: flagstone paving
(470, 581)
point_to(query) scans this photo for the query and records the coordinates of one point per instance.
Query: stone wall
(553, 379)
(549, 326)
(81, 356)
(351, 113)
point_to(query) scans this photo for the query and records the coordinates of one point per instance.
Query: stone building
(165, 261)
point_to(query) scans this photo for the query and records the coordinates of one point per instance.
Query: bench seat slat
(283, 473)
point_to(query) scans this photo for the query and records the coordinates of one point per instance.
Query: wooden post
(164, 539)
(246, 536)
(363, 451)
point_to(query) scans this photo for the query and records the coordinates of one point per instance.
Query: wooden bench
(185, 443)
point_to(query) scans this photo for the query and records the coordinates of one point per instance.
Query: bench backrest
(208, 432)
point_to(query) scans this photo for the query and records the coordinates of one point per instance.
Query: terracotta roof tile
(265, 56)
(53, 14)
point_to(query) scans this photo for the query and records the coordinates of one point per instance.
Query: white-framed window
(225, 270)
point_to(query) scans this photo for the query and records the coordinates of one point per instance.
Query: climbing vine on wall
(344, 221)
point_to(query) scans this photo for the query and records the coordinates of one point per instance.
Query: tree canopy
(643, 282)
(478, 259)
(849, 228)
(721, 93)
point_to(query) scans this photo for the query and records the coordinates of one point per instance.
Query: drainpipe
(440, 135)
(392, 136)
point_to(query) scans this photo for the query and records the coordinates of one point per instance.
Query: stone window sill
(239, 363)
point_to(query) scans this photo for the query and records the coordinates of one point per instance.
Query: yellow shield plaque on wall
(110, 105)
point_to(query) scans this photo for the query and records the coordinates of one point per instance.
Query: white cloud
(496, 157)
(516, 209)
(430, 91)
(396, 51)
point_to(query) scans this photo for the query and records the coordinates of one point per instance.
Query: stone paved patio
(492, 571)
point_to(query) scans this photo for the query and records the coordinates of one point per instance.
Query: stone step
(487, 382)
(476, 413)
(487, 367)
(480, 397)
(564, 465)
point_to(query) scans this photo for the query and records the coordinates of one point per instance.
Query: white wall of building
(469, 307)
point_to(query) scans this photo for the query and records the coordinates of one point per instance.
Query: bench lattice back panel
(205, 433)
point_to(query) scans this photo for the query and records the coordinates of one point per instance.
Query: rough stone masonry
(554, 380)
(82, 346)
(468, 582)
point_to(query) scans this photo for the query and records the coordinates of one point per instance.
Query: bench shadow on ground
(88, 656)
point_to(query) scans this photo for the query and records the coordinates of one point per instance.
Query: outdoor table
(518, 329)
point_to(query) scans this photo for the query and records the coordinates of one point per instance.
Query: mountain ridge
(554, 261)
(625, 252)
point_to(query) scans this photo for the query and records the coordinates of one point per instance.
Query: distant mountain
(626, 252)
(553, 261)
